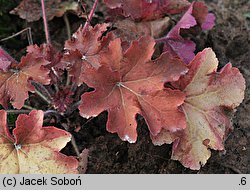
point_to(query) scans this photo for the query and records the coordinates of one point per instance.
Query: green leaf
(247, 15)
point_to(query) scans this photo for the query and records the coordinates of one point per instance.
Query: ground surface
(230, 39)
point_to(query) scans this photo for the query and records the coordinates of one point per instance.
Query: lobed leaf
(62, 99)
(128, 83)
(83, 50)
(15, 82)
(129, 30)
(47, 52)
(209, 97)
(33, 149)
(147, 10)
(53, 56)
(31, 11)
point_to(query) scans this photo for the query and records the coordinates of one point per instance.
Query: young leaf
(33, 149)
(15, 83)
(50, 54)
(147, 10)
(129, 83)
(47, 52)
(84, 50)
(74, 64)
(62, 99)
(31, 11)
(209, 96)
(88, 43)
(197, 16)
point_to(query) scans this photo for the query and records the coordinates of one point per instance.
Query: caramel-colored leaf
(33, 149)
(83, 49)
(129, 83)
(15, 82)
(210, 95)
(49, 53)
(129, 30)
(147, 10)
(31, 10)
(88, 43)
(63, 99)
(53, 56)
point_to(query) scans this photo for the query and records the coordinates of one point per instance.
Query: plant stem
(42, 89)
(90, 119)
(50, 112)
(66, 21)
(68, 79)
(43, 97)
(29, 35)
(57, 76)
(73, 141)
(54, 113)
(46, 29)
(85, 27)
(72, 108)
(20, 32)
(159, 40)
(28, 107)
(17, 111)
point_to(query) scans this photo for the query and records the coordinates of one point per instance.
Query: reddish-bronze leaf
(209, 96)
(147, 10)
(49, 53)
(62, 99)
(74, 64)
(129, 83)
(16, 81)
(88, 43)
(33, 149)
(83, 50)
(31, 10)
(53, 56)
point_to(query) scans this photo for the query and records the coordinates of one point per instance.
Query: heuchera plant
(183, 98)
